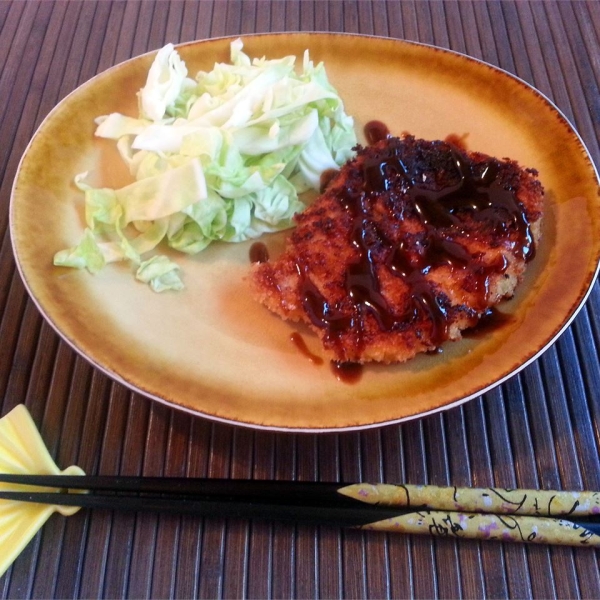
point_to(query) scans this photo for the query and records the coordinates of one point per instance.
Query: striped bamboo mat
(539, 429)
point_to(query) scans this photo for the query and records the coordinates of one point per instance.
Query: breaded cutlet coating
(412, 242)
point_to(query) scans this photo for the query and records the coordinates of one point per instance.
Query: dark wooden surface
(539, 429)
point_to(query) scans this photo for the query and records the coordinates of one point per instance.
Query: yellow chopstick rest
(539, 503)
(22, 451)
(487, 526)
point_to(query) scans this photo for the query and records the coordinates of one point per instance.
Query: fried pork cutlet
(411, 242)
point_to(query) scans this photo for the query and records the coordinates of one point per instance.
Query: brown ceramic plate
(210, 349)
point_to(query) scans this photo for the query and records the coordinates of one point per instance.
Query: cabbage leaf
(220, 157)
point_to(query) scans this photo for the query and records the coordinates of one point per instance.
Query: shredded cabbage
(222, 157)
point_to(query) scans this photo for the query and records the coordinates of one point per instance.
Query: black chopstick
(318, 515)
(241, 490)
(547, 503)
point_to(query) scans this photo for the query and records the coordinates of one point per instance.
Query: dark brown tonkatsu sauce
(456, 140)
(375, 131)
(258, 253)
(492, 320)
(478, 193)
(300, 344)
(347, 372)
(326, 176)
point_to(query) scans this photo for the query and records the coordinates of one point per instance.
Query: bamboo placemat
(540, 429)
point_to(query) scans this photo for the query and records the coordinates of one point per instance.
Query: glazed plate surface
(210, 349)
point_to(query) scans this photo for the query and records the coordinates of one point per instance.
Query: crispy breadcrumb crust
(321, 242)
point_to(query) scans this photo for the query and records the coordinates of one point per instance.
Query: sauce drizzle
(326, 176)
(375, 131)
(300, 344)
(492, 320)
(478, 194)
(347, 372)
(259, 253)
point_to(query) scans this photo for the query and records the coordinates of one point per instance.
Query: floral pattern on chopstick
(540, 503)
(487, 526)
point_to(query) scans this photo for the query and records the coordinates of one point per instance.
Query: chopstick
(550, 503)
(318, 515)
(286, 492)
(368, 506)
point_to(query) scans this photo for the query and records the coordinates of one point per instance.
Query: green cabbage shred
(222, 157)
